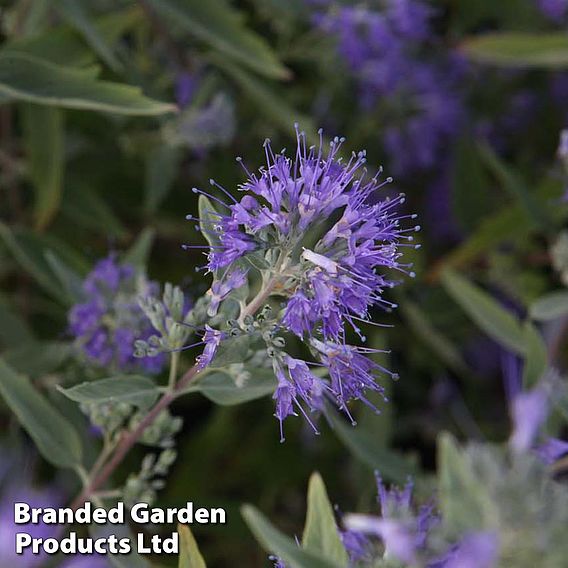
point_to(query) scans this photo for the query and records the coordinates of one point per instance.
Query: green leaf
(44, 143)
(36, 359)
(87, 208)
(207, 220)
(139, 253)
(511, 224)
(370, 450)
(65, 46)
(189, 556)
(464, 501)
(28, 78)
(132, 389)
(130, 560)
(471, 197)
(14, 330)
(275, 107)
(320, 531)
(74, 12)
(218, 24)
(512, 49)
(514, 184)
(274, 541)
(161, 169)
(536, 355)
(53, 435)
(434, 339)
(231, 350)
(220, 387)
(29, 249)
(549, 307)
(70, 280)
(486, 312)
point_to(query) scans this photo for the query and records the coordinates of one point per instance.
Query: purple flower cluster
(554, 10)
(109, 320)
(387, 51)
(403, 533)
(355, 239)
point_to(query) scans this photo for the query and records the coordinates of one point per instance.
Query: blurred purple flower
(8, 529)
(554, 10)
(552, 450)
(476, 550)
(86, 561)
(388, 52)
(109, 320)
(529, 411)
(185, 86)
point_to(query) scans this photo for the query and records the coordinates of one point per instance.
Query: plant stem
(129, 439)
(173, 370)
(100, 475)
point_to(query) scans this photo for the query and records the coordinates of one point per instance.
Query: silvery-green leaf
(549, 307)
(536, 355)
(274, 541)
(132, 389)
(54, 436)
(371, 451)
(486, 312)
(221, 388)
(189, 556)
(321, 535)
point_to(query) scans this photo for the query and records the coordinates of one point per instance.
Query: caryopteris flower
(109, 320)
(325, 242)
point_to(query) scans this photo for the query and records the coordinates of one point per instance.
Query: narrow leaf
(74, 12)
(63, 45)
(28, 78)
(320, 532)
(464, 501)
(269, 102)
(549, 307)
(486, 312)
(44, 143)
(220, 388)
(274, 541)
(139, 253)
(536, 355)
(132, 389)
(513, 49)
(370, 451)
(161, 170)
(53, 435)
(220, 25)
(189, 557)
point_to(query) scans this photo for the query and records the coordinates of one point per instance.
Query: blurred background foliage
(111, 111)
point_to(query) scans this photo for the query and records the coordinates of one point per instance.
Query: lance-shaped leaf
(536, 355)
(75, 13)
(370, 450)
(132, 389)
(220, 387)
(320, 531)
(486, 312)
(274, 541)
(54, 436)
(221, 26)
(139, 253)
(189, 556)
(44, 143)
(28, 78)
(63, 45)
(549, 307)
(511, 49)
(464, 501)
